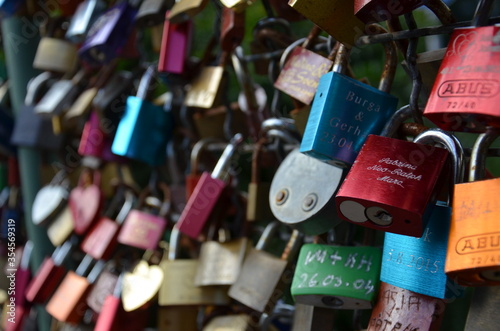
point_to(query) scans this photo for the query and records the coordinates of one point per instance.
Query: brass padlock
(54, 53)
(178, 288)
(249, 289)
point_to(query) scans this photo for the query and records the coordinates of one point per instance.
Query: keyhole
(332, 301)
(379, 216)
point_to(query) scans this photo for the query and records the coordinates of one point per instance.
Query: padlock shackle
(341, 59)
(145, 82)
(96, 271)
(36, 86)
(293, 245)
(265, 238)
(391, 59)
(200, 146)
(26, 256)
(84, 265)
(165, 204)
(225, 160)
(174, 243)
(477, 168)
(455, 149)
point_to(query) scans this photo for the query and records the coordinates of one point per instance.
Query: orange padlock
(473, 257)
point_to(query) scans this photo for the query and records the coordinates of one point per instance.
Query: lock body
(85, 15)
(298, 196)
(142, 230)
(103, 287)
(417, 264)
(338, 277)
(175, 45)
(179, 289)
(55, 54)
(85, 202)
(96, 142)
(143, 132)
(300, 75)
(471, 258)
(403, 178)
(405, 310)
(101, 241)
(344, 112)
(220, 263)
(45, 282)
(109, 34)
(200, 205)
(334, 17)
(463, 99)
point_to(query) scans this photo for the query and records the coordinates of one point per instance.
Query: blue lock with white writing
(345, 111)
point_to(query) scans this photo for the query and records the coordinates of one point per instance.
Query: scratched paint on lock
(343, 113)
(348, 273)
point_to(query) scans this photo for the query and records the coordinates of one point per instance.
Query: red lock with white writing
(392, 185)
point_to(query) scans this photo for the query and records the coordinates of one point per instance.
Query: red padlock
(144, 226)
(403, 178)
(85, 200)
(175, 46)
(207, 193)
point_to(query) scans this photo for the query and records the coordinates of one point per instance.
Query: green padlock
(338, 277)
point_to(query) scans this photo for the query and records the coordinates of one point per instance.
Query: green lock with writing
(339, 277)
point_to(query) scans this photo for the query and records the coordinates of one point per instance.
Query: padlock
(54, 53)
(299, 76)
(400, 309)
(110, 310)
(32, 130)
(310, 318)
(104, 286)
(61, 227)
(49, 274)
(258, 207)
(344, 111)
(100, 242)
(82, 104)
(60, 95)
(298, 197)
(109, 34)
(258, 265)
(234, 322)
(196, 154)
(417, 264)
(68, 303)
(22, 278)
(175, 46)
(471, 258)
(370, 11)
(85, 15)
(338, 276)
(220, 261)
(408, 173)
(143, 227)
(178, 288)
(337, 18)
(85, 200)
(183, 10)
(50, 199)
(207, 193)
(152, 12)
(10, 7)
(110, 99)
(96, 141)
(466, 89)
(144, 129)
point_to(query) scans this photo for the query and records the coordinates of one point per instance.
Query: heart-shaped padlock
(50, 200)
(85, 200)
(141, 285)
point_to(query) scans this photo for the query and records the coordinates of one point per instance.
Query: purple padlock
(95, 141)
(109, 34)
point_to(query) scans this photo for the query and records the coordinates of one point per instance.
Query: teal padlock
(145, 128)
(338, 277)
(417, 264)
(345, 111)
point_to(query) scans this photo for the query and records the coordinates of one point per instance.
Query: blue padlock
(9, 7)
(145, 128)
(345, 111)
(417, 264)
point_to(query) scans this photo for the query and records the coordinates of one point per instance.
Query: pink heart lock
(85, 201)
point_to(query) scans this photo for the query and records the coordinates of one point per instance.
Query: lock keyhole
(332, 301)
(379, 216)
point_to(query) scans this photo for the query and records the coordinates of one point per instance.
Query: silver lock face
(48, 202)
(303, 192)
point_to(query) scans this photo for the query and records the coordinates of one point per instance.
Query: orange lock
(473, 257)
